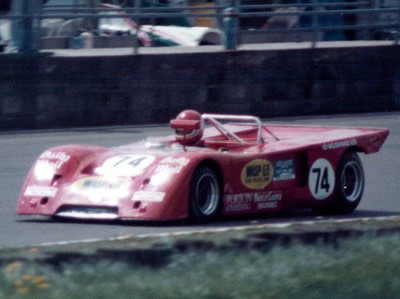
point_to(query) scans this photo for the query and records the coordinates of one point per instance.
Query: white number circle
(321, 179)
(126, 165)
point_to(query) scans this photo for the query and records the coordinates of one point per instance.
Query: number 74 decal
(126, 165)
(321, 179)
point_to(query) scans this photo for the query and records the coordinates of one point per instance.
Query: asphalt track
(18, 151)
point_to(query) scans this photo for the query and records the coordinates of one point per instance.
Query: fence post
(137, 22)
(219, 16)
(396, 41)
(314, 24)
(92, 23)
(25, 32)
(230, 21)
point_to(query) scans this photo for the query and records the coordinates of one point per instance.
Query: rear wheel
(205, 194)
(349, 186)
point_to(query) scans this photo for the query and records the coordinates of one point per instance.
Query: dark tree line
(5, 5)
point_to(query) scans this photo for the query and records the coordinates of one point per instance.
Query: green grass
(364, 267)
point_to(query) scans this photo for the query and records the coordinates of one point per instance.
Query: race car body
(214, 165)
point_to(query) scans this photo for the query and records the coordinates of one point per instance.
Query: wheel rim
(352, 181)
(207, 194)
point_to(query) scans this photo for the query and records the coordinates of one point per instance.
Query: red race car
(213, 165)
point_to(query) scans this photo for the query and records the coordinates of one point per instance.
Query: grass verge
(328, 260)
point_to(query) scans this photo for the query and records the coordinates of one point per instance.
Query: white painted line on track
(218, 230)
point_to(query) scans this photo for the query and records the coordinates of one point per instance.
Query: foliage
(364, 267)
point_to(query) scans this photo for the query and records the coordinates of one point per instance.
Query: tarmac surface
(20, 149)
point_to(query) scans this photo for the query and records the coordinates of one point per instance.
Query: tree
(5, 5)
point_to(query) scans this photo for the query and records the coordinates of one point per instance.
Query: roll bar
(213, 120)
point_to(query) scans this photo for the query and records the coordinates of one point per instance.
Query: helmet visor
(182, 132)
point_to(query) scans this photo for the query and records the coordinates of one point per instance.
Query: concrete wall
(51, 91)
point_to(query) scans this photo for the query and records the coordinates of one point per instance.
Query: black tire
(349, 186)
(205, 195)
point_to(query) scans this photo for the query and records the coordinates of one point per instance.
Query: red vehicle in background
(213, 165)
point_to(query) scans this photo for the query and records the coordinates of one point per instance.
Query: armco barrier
(52, 91)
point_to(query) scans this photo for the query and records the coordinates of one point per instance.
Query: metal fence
(297, 20)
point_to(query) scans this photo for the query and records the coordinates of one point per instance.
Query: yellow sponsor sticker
(257, 174)
(100, 184)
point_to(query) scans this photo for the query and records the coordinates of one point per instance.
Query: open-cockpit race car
(213, 165)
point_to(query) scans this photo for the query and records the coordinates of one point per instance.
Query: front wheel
(349, 185)
(205, 195)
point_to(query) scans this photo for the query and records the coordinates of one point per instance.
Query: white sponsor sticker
(284, 170)
(267, 196)
(48, 163)
(60, 156)
(250, 197)
(339, 144)
(148, 196)
(321, 180)
(168, 169)
(42, 191)
(267, 205)
(171, 160)
(243, 201)
(172, 165)
(241, 198)
(237, 207)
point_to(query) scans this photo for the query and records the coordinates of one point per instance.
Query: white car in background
(5, 30)
(148, 35)
(156, 35)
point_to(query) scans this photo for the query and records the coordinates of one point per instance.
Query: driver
(188, 136)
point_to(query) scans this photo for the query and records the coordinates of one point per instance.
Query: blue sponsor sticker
(284, 170)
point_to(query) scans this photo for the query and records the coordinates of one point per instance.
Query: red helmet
(188, 127)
